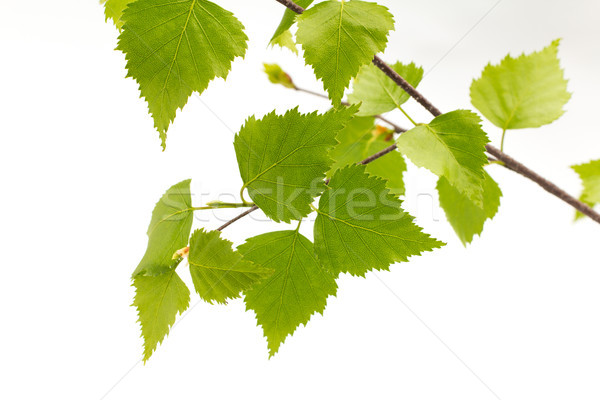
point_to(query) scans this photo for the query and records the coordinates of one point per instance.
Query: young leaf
(169, 230)
(524, 92)
(340, 37)
(278, 76)
(360, 139)
(378, 93)
(282, 36)
(113, 9)
(158, 300)
(298, 288)
(174, 48)
(360, 226)
(220, 273)
(590, 176)
(285, 40)
(283, 159)
(453, 146)
(466, 218)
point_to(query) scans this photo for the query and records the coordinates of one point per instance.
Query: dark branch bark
(242, 215)
(397, 128)
(400, 81)
(363, 162)
(292, 6)
(378, 155)
(548, 186)
(507, 161)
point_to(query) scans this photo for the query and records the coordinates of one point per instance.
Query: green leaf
(283, 36)
(378, 93)
(466, 218)
(524, 92)
(360, 139)
(278, 76)
(362, 227)
(174, 48)
(283, 159)
(113, 9)
(169, 230)
(340, 37)
(220, 273)
(298, 288)
(590, 176)
(285, 40)
(452, 146)
(158, 300)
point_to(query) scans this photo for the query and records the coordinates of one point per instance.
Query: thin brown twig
(407, 87)
(379, 154)
(242, 215)
(397, 128)
(363, 162)
(548, 186)
(508, 161)
(292, 6)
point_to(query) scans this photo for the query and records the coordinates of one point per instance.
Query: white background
(81, 170)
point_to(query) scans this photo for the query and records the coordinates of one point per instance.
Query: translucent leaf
(220, 273)
(298, 288)
(113, 9)
(285, 40)
(283, 159)
(452, 146)
(524, 92)
(169, 230)
(362, 227)
(340, 37)
(466, 218)
(360, 139)
(175, 48)
(590, 176)
(158, 300)
(282, 36)
(378, 93)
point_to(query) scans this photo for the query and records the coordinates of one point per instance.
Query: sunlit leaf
(340, 37)
(298, 288)
(524, 92)
(362, 227)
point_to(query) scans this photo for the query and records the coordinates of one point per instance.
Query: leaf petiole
(213, 205)
(496, 162)
(407, 116)
(242, 195)
(502, 140)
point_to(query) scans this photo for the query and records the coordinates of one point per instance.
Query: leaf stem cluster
(505, 160)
